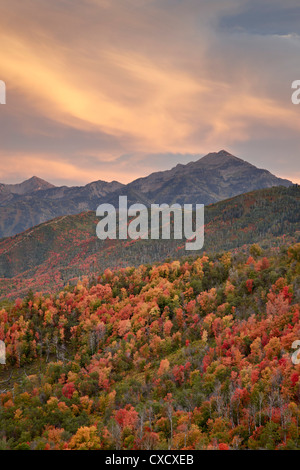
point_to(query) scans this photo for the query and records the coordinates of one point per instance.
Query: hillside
(66, 248)
(190, 355)
(215, 177)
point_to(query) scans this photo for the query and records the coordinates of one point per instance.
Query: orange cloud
(140, 72)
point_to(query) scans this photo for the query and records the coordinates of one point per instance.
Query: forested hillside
(64, 249)
(182, 355)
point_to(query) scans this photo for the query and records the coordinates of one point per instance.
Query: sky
(117, 89)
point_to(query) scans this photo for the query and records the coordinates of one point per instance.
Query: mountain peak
(36, 179)
(221, 157)
(224, 153)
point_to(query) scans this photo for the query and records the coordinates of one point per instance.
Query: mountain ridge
(216, 176)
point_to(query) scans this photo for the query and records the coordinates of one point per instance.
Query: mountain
(55, 252)
(29, 186)
(32, 185)
(19, 212)
(213, 178)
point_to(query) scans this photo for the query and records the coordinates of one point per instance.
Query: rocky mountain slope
(215, 177)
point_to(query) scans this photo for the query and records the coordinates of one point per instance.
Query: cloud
(92, 80)
(265, 17)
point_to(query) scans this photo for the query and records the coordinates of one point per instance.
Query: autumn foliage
(189, 354)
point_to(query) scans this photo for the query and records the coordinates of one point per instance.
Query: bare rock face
(213, 178)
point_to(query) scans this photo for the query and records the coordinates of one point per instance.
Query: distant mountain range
(213, 178)
(66, 248)
(20, 211)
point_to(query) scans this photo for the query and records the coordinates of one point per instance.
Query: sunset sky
(117, 89)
